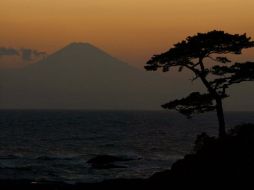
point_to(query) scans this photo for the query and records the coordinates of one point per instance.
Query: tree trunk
(220, 115)
(219, 108)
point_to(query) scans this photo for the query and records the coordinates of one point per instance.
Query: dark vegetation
(228, 160)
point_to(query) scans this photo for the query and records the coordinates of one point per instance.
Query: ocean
(56, 145)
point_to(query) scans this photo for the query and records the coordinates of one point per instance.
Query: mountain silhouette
(81, 76)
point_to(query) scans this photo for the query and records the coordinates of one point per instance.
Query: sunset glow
(130, 30)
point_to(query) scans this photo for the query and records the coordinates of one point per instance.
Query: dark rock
(107, 161)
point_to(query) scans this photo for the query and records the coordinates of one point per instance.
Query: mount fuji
(82, 76)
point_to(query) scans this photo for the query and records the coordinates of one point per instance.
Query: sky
(131, 30)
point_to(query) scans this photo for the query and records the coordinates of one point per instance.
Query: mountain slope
(81, 76)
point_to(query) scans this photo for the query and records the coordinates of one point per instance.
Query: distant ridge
(82, 76)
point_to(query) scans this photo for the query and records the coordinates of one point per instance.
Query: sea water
(56, 145)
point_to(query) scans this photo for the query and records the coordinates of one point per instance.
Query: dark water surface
(56, 145)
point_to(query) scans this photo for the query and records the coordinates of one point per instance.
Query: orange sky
(131, 30)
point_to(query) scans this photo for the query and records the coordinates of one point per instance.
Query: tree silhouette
(193, 54)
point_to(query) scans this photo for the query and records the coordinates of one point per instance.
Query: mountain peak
(82, 48)
(80, 44)
(80, 54)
